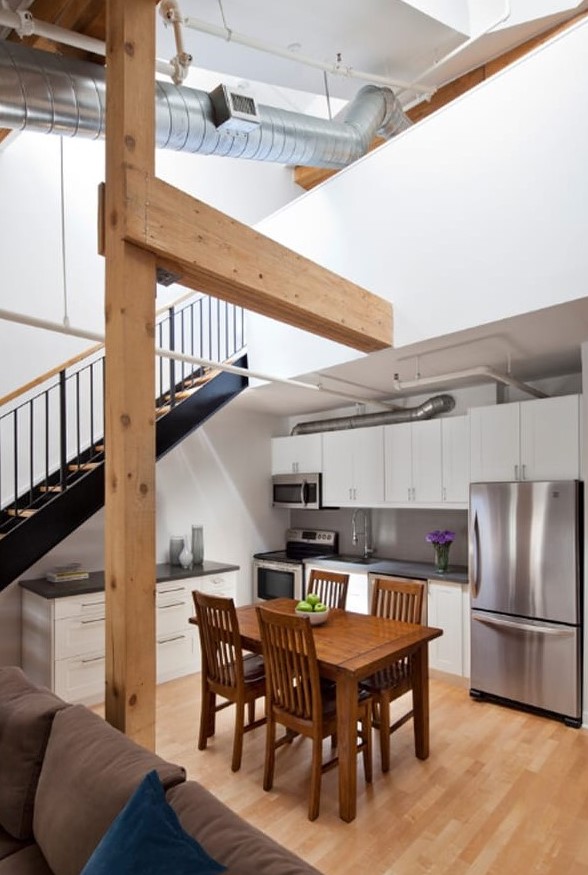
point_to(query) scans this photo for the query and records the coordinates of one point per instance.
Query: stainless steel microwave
(297, 490)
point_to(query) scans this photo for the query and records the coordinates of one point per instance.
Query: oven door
(275, 580)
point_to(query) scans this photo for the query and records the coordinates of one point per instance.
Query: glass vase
(197, 545)
(441, 557)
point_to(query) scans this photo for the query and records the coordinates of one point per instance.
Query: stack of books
(61, 573)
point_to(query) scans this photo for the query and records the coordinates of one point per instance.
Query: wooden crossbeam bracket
(213, 253)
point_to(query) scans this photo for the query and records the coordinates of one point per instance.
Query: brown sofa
(65, 774)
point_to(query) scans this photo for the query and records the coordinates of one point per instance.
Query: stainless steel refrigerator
(526, 595)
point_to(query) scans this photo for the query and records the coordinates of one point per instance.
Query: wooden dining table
(349, 648)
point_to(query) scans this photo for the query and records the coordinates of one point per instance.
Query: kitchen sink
(357, 560)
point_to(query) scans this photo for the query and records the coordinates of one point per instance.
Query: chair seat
(329, 700)
(396, 675)
(253, 668)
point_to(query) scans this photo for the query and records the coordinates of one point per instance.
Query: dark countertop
(95, 582)
(380, 565)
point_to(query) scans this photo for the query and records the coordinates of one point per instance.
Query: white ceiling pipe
(170, 12)
(59, 328)
(336, 69)
(412, 86)
(481, 372)
(24, 24)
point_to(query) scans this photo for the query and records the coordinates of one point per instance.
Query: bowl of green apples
(313, 608)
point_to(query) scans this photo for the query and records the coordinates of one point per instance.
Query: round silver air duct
(54, 94)
(427, 410)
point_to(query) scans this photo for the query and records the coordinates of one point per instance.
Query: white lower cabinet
(358, 594)
(63, 638)
(448, 609)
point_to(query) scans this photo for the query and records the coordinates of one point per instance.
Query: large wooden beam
(130, 381)
(210, 252)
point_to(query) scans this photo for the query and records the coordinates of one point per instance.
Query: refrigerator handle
(525, 627)
(473, 558)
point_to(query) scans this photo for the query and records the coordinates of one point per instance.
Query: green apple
(320, 608)
(312, 599)
(304, 606)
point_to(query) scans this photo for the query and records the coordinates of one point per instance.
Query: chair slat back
(398, 599)
(292, 677)
(222, 658)
(330, 586)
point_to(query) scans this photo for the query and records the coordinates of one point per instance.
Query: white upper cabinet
(412, 453)
(298, 454)
(353, 467)
(427, 462)
(455, 467)
(550, 439)
(527, 440)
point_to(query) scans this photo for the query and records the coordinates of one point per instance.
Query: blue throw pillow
(146, 837)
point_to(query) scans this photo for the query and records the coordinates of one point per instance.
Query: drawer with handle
(77, 636)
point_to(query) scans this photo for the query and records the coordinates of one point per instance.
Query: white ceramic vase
(186, 558)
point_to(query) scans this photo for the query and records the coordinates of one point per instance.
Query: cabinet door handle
(170, 640)
(99, 604)
(172, 589)
(409, 490)
(95, 620)
(93, 659)
(444, 494)
(516, 477)
(523, 472)
(171, 605)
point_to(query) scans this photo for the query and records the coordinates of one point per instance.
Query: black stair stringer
(195, 410)
(36, 535)
(54, 521)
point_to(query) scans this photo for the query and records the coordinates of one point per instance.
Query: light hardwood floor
(502, 791)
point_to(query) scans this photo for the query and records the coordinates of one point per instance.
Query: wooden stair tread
(184, 393)
(27, 512)
(203, 378)
(51, 489)
(84, 466)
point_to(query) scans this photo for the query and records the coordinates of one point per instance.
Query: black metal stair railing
(52, 437)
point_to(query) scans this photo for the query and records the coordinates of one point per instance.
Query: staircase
(51, 441)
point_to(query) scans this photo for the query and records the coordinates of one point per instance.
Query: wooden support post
(129, 388)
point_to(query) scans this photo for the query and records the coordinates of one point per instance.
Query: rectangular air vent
(233, 110)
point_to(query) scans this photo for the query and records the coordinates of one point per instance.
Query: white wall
(217, 476)
(30, 235)
(475, 214)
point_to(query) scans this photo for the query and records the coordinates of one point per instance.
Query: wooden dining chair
(395, 599)
(330, 586)
(226, 672)
(296, 699)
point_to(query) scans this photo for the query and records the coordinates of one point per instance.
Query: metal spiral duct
(432, 407)
(53, 94)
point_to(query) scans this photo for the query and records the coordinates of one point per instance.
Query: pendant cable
(63, 253)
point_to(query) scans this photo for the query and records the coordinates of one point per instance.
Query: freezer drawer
(527, 661)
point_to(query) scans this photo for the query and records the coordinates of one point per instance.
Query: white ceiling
(390, 38)
(383, 37)
(397, 40)
(545, 343)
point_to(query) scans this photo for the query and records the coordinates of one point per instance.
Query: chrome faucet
(366, 532)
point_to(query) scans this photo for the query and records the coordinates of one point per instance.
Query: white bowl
(316, 618)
